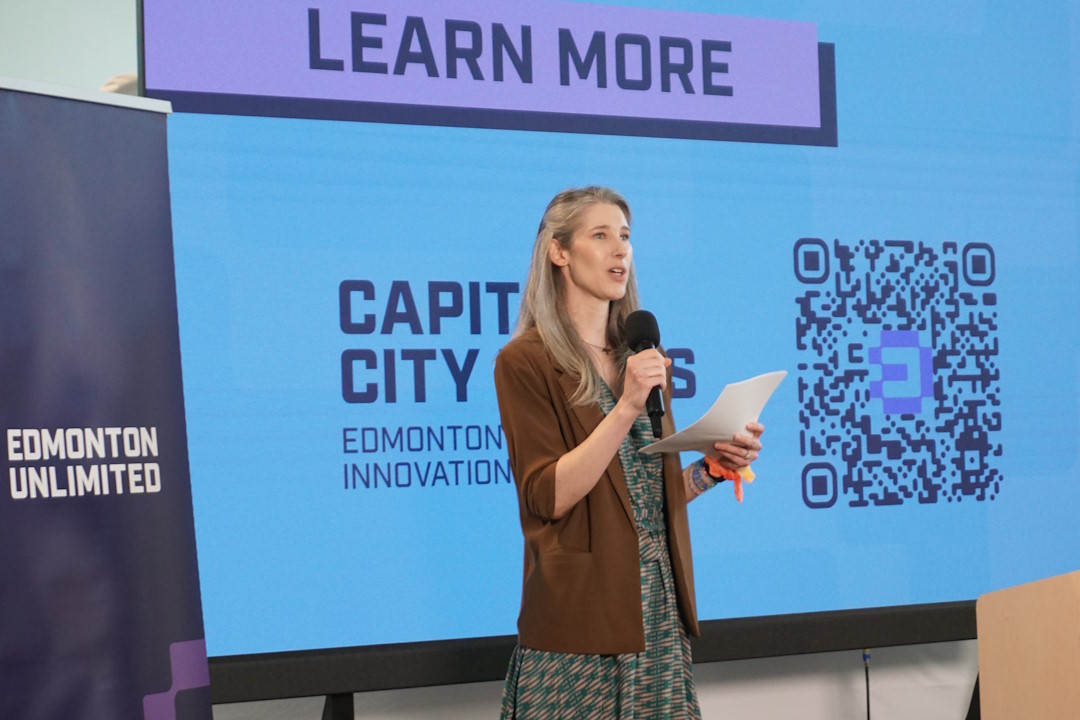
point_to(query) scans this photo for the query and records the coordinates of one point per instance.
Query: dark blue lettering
(621, 77)
(456, 464)
(710, 67)
(401, 294)
(418, 358)
(678, 372)
(669, 67)
(470, 54)
(476, 471)
(437, 311)
(345, 293)
(375, 470)
(502, 290)
(459, 373)
(435, 439)
(315, 59)
(392, 441)
(440, 474)
(423, 475)
(568, 52)
(390, 375)
(361, 41)
(474, 308)
(355, 474)
(473, 431)
(349, 441)
(414, 437)
(369, 440)
(414, 28)
(348, 384)
(502, 45)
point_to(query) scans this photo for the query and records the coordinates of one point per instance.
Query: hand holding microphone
(645, 369)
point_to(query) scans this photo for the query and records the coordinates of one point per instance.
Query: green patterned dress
(653, 685)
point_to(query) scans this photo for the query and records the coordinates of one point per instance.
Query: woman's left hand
(743, 448)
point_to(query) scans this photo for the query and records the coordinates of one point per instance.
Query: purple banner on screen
(527, 65)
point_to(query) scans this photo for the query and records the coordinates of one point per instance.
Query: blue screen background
(956, 123)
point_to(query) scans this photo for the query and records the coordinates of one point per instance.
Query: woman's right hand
(644, 371)
(578, 470)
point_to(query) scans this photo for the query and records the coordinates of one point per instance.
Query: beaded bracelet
(700, 479)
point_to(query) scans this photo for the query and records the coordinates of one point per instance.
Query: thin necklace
(601, 348)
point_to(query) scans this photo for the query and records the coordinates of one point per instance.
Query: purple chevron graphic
(189, 670)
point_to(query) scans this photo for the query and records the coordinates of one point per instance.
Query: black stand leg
(866, 669)
(975, 708)
(338, 707)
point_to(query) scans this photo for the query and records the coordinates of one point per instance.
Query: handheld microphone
(642, 333)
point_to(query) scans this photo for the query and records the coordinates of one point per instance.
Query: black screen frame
(332, 671)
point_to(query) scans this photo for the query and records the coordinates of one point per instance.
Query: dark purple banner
(575, 67)
(99, 584)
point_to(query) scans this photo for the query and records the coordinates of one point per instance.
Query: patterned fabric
(653, 685)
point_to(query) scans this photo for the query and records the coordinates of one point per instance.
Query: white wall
(84, 43)
(67, 42)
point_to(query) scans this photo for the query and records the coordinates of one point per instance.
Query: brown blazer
(582, 584)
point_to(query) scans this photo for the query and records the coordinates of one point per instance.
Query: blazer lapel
(587, 418)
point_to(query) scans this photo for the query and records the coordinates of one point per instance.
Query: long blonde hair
(543, 304)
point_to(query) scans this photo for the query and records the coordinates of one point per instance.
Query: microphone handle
(654, 406)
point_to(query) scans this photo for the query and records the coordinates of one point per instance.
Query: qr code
(899, 385)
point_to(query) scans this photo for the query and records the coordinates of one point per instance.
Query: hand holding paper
(738, 404)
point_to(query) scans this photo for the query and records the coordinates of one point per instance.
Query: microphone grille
(641, 330)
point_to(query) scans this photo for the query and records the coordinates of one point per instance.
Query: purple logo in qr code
(903, 384)
(899, 385)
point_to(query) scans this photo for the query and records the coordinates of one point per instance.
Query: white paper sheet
(739, 403)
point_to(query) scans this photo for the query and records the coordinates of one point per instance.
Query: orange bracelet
(737, 477)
